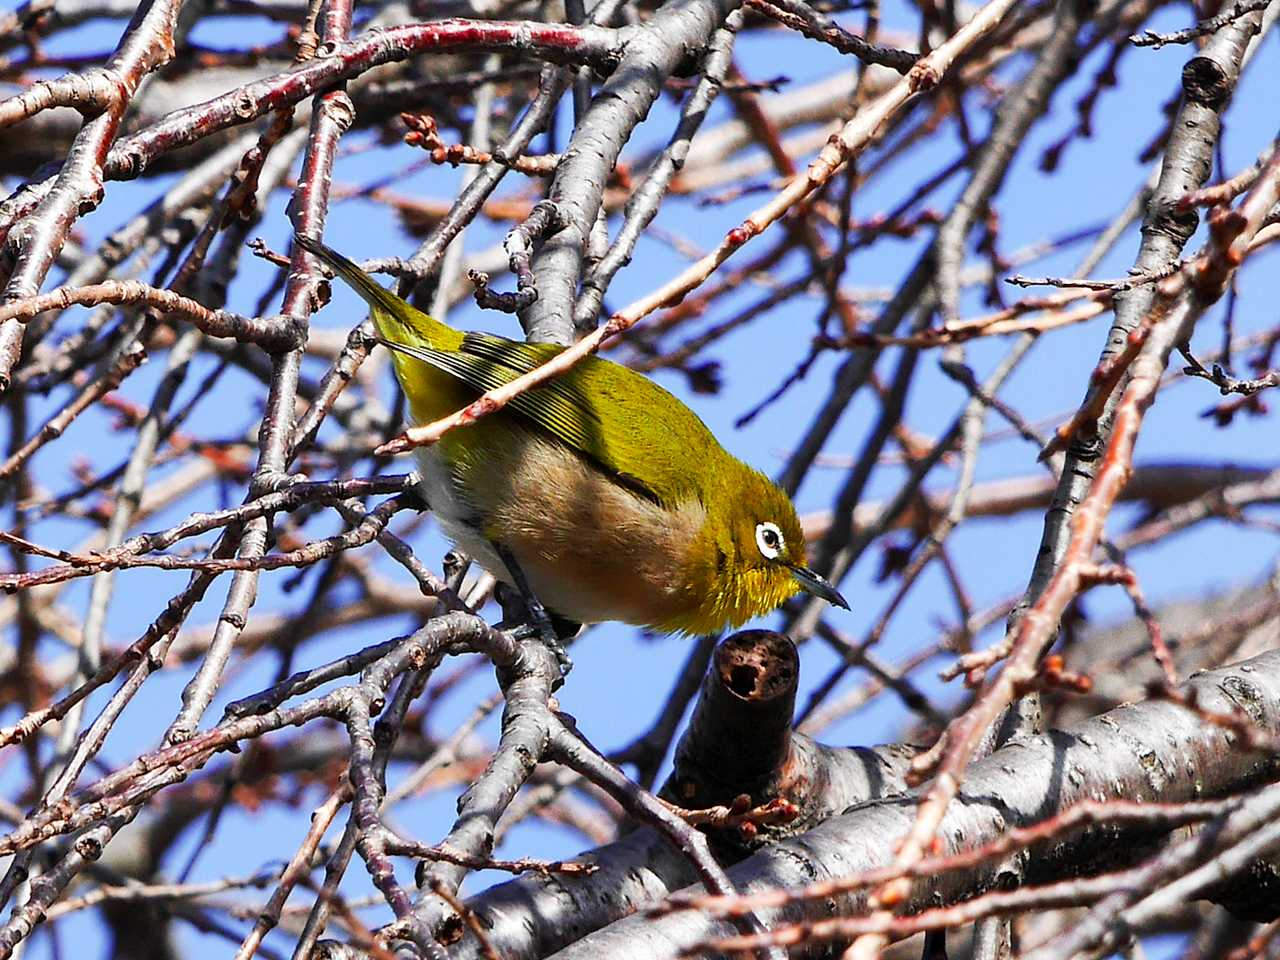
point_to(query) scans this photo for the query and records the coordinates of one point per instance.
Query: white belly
(455, 515)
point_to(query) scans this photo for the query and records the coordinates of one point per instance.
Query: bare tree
(177, 401)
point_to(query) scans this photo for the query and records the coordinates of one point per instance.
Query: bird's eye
(769, 540)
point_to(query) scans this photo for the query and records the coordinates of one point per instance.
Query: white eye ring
(769, 540)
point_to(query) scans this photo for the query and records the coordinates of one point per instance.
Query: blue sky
(1094, 180)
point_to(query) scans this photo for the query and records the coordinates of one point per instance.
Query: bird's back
(620, 420)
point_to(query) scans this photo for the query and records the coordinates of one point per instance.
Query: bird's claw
(541, 629)
(539, 625)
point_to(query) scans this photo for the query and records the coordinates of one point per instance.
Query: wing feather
(569, 408)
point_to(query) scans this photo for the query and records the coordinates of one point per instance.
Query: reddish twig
(270, 334)
(1119, 813)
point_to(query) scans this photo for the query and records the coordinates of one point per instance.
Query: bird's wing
(573, 408)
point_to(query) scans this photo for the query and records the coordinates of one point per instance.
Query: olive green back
(619, 419)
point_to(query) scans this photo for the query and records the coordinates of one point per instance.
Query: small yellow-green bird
(610, 496)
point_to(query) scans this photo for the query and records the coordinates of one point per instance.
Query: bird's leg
(540, 620)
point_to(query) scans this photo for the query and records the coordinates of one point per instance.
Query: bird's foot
(542, 630)
(540, 623)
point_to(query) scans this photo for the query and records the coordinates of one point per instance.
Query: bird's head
(751, 554)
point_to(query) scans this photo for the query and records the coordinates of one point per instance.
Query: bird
(598, 495)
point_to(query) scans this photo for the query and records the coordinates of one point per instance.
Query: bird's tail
(397, 320)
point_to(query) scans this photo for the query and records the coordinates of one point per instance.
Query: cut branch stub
(740, 750)
(739, 738)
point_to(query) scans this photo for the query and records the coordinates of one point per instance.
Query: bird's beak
(818, 586)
